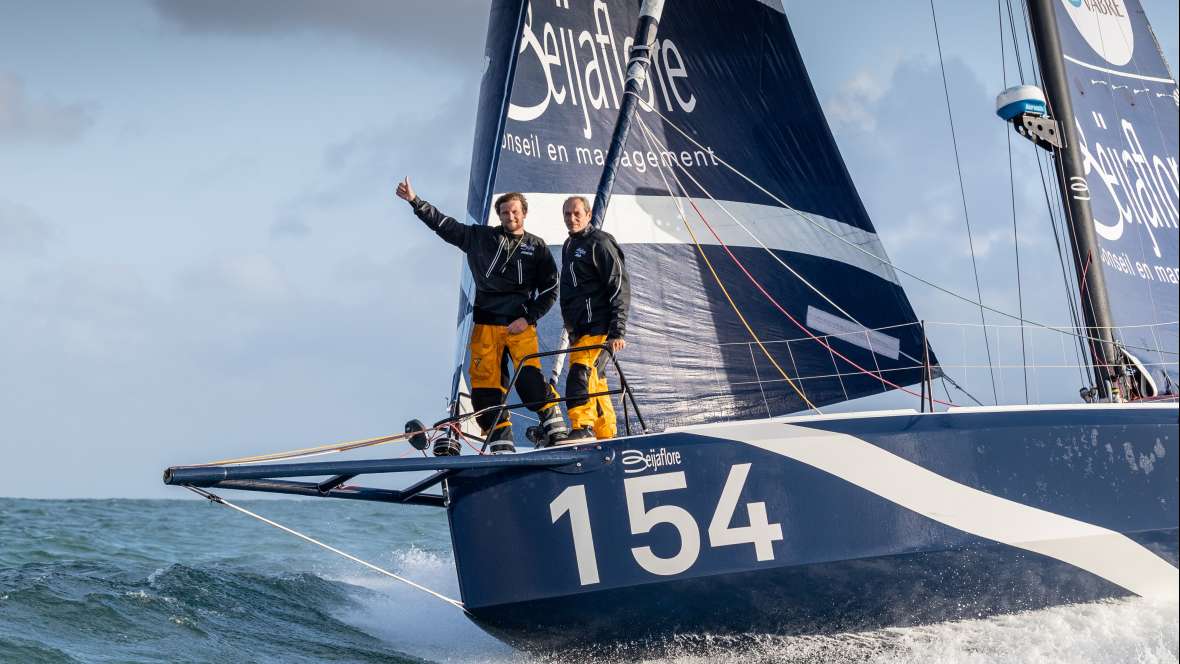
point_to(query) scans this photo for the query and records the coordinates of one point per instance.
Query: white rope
(218, 499)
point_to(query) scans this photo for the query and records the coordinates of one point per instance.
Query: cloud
(23, 233)
(288, 226)
(903, 160)
(364, 167)
(421, 27)
(893, 131)
(23, 119)
(853, 102)
(119, 366)
(251, 280)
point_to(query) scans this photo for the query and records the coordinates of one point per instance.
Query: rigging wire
(214, 498)
(1084, 296)
(884, 261)
(1055, 217)
(963, 194)
(1097, 359)
(1057, 225)
(804, 280)
(1015, 42)
(1012, 195)
(648, 137)
(716, 277)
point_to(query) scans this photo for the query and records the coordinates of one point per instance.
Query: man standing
(515, 284)
(595, 295)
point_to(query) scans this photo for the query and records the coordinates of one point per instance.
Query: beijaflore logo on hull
(637, 461)
(1106, 27)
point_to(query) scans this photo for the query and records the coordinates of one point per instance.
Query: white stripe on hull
(1097, 550)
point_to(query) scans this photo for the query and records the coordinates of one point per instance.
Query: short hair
(585, 203)
(512, 196)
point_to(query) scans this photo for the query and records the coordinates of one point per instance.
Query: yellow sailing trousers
(491, 347)
(588, 376)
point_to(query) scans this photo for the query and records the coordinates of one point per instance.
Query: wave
(1110, 632)
(84, 581)
(80, 610)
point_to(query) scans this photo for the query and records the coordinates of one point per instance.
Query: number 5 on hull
(643, 520)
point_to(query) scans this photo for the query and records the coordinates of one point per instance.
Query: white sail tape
(854, 333)
(1102, 552)
(655, 220)
(1116, 72)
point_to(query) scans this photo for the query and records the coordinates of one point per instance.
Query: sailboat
(762, 293)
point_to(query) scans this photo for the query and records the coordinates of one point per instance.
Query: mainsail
(1125, 103)
(728, 75)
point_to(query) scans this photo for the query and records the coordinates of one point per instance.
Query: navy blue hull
(771, 527)
(842, 596)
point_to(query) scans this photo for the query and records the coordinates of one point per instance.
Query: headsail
(1125, 103)
(730, 76)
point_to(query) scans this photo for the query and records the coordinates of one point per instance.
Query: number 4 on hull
(761, 533)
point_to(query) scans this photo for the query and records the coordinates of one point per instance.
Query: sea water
(190, 581)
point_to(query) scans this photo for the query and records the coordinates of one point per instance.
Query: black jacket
(595, 293)
(515, 277)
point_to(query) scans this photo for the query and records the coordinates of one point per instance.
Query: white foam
(1114, 631)
(417, 624)
(1110, 632)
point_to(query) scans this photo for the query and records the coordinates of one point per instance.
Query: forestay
(731, 76)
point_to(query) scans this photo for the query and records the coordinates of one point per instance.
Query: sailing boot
(580, 435)
(553, 427)
(501, 440)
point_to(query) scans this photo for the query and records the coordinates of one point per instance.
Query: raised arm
(450, 230)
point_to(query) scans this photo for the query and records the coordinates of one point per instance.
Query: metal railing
(624, 389)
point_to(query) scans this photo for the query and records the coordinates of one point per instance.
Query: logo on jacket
(579, 252)
(637, 461)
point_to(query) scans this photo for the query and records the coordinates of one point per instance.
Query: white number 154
(760, 532)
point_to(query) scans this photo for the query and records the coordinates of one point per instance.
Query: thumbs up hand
(405, 191)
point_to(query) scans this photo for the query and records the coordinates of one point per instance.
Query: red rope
(796, 322)
(462, 436)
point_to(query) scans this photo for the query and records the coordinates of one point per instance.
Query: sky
(201, 255)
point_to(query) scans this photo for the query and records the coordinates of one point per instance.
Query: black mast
(637, 64)
(1075, 195)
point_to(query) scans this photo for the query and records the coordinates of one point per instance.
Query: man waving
(515, 285)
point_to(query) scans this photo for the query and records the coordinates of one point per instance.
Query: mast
(637, 64)
(1075, 195)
